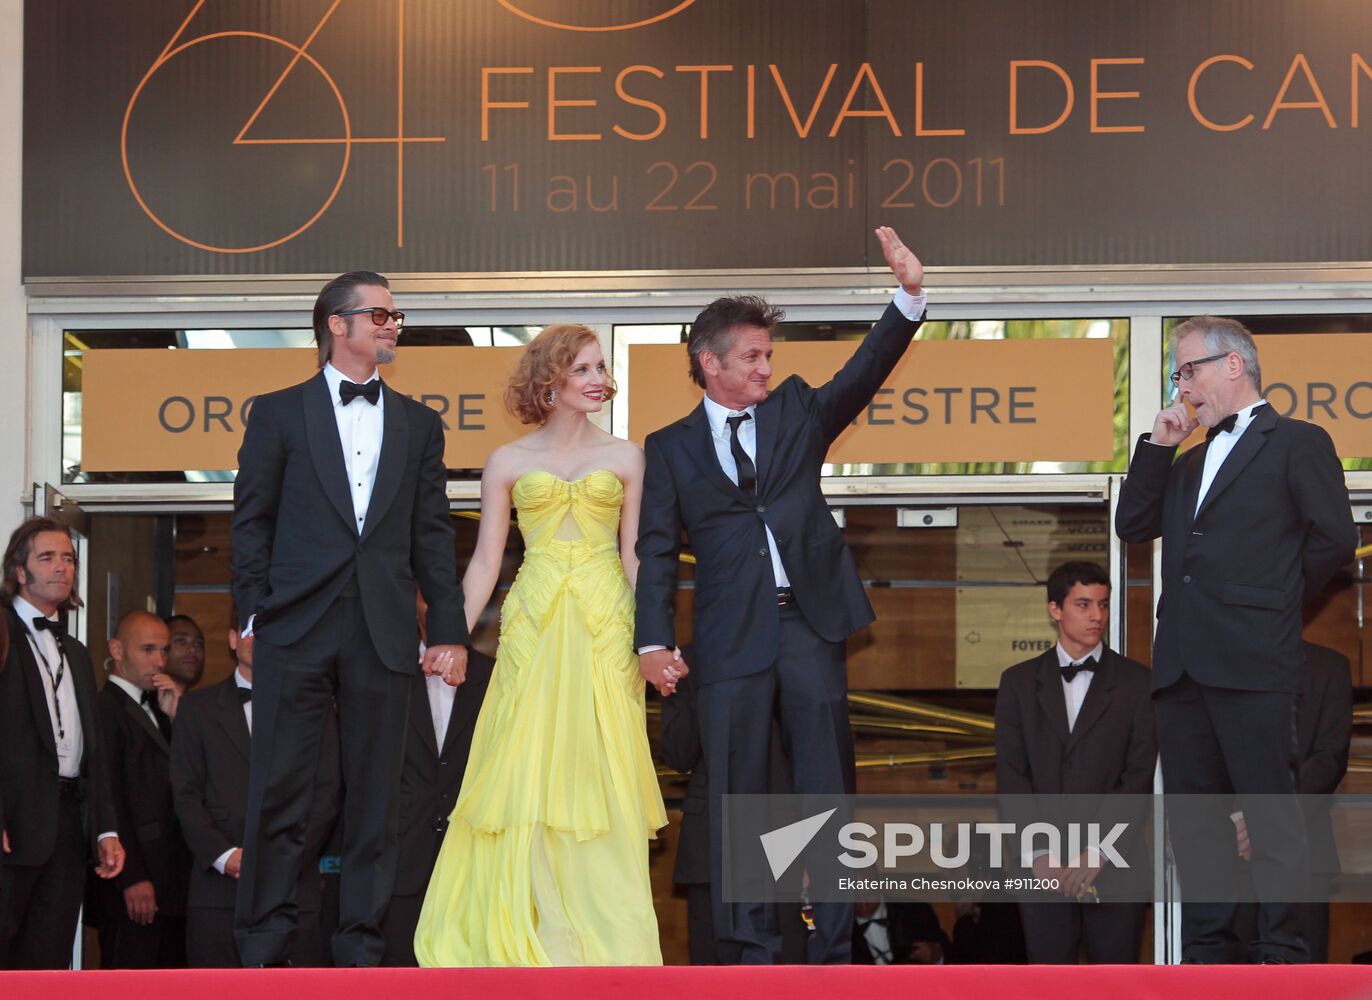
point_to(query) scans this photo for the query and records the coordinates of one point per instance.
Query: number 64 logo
(154, 164)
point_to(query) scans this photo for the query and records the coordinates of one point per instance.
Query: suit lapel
(1051, 699)
(232, 720)
(1248, 445)
(1098, 697)
(1192, 471)
(768, 421)
(321, 430)
(34, 679)
(390, 467)
(135, 710)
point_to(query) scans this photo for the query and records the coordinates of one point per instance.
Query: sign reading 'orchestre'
(947, 401)
(167, 137)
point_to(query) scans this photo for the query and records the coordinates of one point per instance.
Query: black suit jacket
(432, 776)
(210, 754)
(736, 619)
(1113, 747)
(140, 785)
(1274, 528)
(295, 542)
(1324, 727)
(28, 753)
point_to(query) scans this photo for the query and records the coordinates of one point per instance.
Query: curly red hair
(543, 368)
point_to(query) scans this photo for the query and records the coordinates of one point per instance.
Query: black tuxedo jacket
(210, 753)
(1324, 727)
(1274, 528)
(140, 785)
(28, 753)
(736, 619)
(432, 776)
(1113, 747)
(295, 541)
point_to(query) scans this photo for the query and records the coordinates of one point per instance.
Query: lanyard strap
(54, 679)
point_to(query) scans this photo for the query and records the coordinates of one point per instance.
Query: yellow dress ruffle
(545, 861)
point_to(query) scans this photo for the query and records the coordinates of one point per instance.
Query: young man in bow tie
(1254, 522)
(339, 509)
(1077, 721)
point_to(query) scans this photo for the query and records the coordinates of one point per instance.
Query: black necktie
(747, 472)
(1069, 672)
(163, 723)
(41, 624)
(1227, 424)
(244, 695)
(348, 391)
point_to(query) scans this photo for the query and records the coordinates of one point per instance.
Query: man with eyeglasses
(1253, 522)
(340, 508)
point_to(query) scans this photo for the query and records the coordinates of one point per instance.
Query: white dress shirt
(877, 936)
(136, 693)
(70, 743)
(441, 695)
(1220, 447)
(221, 862)
(747, 437)
(360, 426)
(1074, 692)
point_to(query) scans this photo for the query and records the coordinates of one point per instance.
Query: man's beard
(384, 355)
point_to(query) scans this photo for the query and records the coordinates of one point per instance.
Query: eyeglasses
(1188, 370)
(379, 315)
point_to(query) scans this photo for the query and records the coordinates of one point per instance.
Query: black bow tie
(41, 624)
(879, 921)
(348, 391)
(148, 698)
(1227, 424)
(244, 695)
(1069, 672)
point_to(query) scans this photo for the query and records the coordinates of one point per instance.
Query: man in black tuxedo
(339, 509)
(211, 750)
(1077, 720)
(53, 782)
(1253, 522)
(142, 913)
(776, 589)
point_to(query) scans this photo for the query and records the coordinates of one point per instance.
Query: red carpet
(1325, 982)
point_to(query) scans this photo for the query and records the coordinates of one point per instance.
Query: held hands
(1173, 425)
(141, 902)
(169, 692)
(901, 259)
(111, 858)
(662, 668)
(1074, 880)
(448, 662)
(1244, 845)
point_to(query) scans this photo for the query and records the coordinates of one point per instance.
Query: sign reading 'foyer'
(166, 137)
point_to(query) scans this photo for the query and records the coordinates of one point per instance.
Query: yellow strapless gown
(545, 861)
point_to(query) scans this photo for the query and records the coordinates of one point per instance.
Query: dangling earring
(551, 397)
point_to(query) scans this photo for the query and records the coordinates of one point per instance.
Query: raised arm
(843, 397)
(628, 513)
(483, 571)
